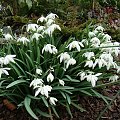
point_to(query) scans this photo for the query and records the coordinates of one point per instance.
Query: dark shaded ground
(93, 107)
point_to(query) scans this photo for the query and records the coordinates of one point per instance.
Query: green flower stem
(49, 110)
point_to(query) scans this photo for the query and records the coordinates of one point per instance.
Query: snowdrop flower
(95, 42)
(1, 61)
(40, 29)
(92, 78)
(108, 59)
(85, 41)
(39, 71)
(36, 82)
(8, 59)
(89, 55)
(64, 57)
(49, 31)
(106, 47)
(4, 71)
(62, 82)
(116, 50)
(8, 36)
(113, 78)
(111, 48)
(89, 63)
(107, 37)
(118, 69)
(24, 40)
(101, 63)
(41, 19)
(95, 32)
(71, 61)
(75, 44)
(91, 34)
(82, 75)
(49, 22)
(99, 28)
(36, 36)
(52, 100)
(49, 48)
(50, 77)
(51, 16)
(43, 90)
(32, 27)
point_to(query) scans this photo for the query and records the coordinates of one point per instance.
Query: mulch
(93, 106)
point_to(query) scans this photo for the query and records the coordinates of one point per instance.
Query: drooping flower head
(75, 44)
(49, 48)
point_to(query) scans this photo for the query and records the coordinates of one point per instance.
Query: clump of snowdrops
(44, 71)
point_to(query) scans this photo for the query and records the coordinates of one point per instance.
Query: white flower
(24, 40)
(39, 71)
(1, 60)
(107, 37)
(89, 63)
(108, 59)
(42, 19)
(40, 28)
(75, 44)
(113, 78)
(36, 82)
(92, 78)
(32, 27)
(8, 59)
(89, 55)
(71, 61)
(95, 32)
(82, 75)
(64, 57)
(62, 82)
(52, 100)
(118, 69)
(49, 48)
(43, 90)
(50, 77)
(91, 34)
(99, 28)
(51, 16)
(4, 71)
(8, 36)
(107, 47)
(51, 29)
(100, 62)
(85, 41)
(36, 36)
(50, 22)
(116, 49)
(95, 42)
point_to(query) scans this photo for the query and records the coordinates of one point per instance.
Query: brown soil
(94, 106)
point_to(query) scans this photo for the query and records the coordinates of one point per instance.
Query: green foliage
(48, 69)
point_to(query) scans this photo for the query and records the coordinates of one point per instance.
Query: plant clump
(47, 71)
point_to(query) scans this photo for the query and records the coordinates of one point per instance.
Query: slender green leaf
(68, 98)
(54, 110)
(45, 101)
(100, 96)
(62, 87)
(16, 83)
(27, 102)
(69, 111)
(43, 113)
(78, 107)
